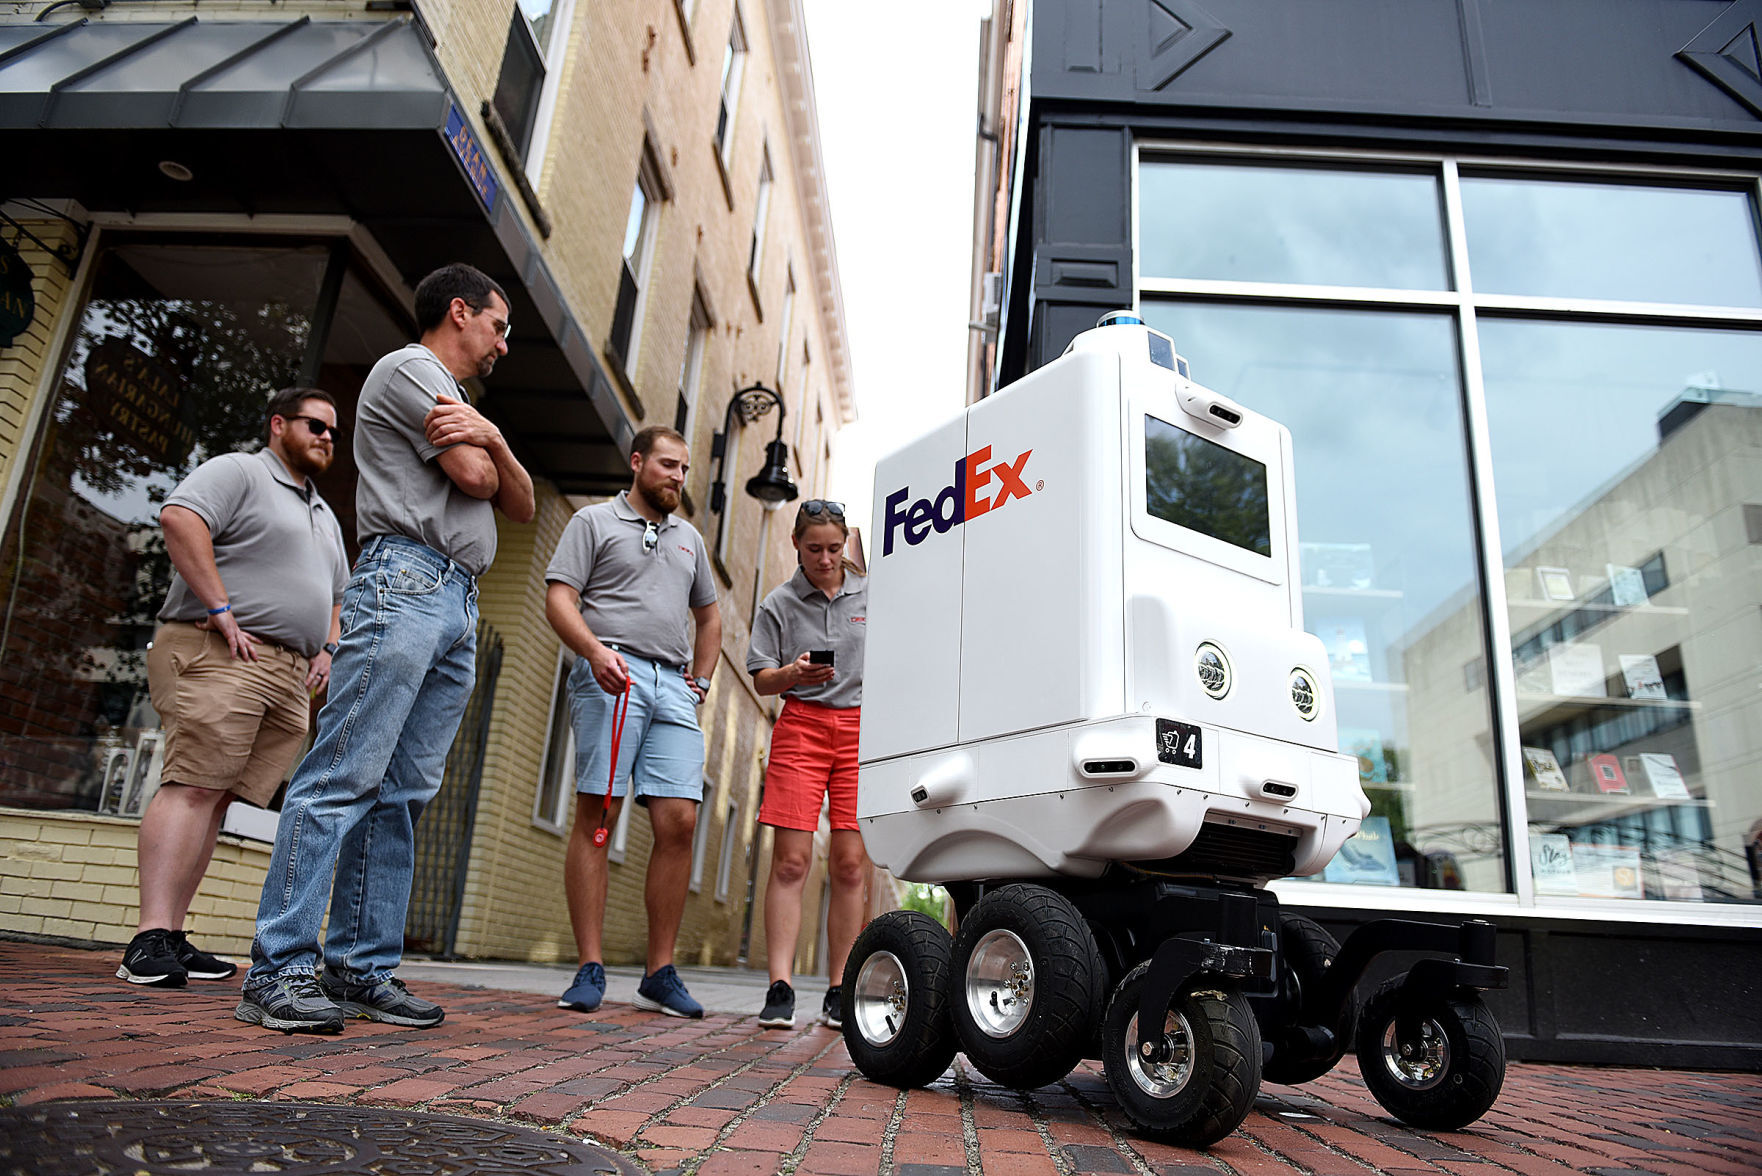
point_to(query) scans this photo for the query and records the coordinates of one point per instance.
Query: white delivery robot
(1091, 710)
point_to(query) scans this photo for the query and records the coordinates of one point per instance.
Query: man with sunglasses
(245, 640)
(630, 591)
(432, 473)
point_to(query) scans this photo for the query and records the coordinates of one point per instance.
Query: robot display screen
(1203, 486)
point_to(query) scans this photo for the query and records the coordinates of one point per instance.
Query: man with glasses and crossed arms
(626, 579)
(245, 640)
(433, 472)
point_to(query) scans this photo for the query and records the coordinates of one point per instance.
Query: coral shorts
(813, 756)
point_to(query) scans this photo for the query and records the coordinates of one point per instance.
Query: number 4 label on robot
(1178, 743)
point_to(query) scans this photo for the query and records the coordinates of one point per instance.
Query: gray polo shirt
(638, 600)
(797, 617)
(402, 488)
(276, 543)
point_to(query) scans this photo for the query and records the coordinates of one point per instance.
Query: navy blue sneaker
(664, 992)
(588, 989)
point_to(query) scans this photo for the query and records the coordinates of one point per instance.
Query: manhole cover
(283, 1139)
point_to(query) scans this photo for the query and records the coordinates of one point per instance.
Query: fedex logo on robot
(958, 502)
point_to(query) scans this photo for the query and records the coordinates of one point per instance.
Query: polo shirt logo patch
(685, 549)
(859, 620)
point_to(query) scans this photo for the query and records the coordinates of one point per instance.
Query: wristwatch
(703, 687)
(330, 647)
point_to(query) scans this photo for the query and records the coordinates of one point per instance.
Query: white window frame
(648, 184)
(562, 27)
(733, 67)
(700, 840)
(784, 324)
(558, 821)
(755, 262)
(725, 867)
(1463, 304)
(691, 366)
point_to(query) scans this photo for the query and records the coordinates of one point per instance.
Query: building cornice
(795, 76)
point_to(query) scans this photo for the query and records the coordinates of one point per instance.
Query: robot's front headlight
(1213, 669)
(1305, 695)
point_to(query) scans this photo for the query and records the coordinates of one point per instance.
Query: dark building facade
(1498, 266)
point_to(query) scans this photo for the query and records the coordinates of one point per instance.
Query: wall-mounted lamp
(772, 486)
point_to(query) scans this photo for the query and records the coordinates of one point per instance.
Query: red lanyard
(620, 709)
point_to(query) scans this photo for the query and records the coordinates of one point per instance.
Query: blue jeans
(399, 685)
(661, 748)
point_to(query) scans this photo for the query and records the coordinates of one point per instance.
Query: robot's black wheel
(896, 996)
(1441, 1066)
(1306, 952)
(1205, 1084)
(1029, 986)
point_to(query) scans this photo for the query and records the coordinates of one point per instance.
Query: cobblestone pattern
(719, 1097)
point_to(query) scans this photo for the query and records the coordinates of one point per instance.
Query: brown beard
(659, 498)
(307, 463)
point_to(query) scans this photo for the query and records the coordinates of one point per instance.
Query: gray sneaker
(292, 1002)
(387, 1001)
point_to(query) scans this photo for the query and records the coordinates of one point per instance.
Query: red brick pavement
(719, 1097)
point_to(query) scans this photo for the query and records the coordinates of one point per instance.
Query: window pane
(1390, 582)
(518, 85)
(177, 352)
(1641, 243)
(1629, 482)
(538, 15)
(1243, 223)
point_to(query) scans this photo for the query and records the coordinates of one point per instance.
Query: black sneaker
(198, 963)
(832, 1011)
(151, 958)
(291, 1002)
(779, 1006)
(387, 1001)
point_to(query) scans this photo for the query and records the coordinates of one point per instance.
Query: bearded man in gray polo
(630, 591)
(246, 635)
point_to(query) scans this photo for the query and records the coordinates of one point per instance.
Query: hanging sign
(17, 304)
(470, 152)
(138, 401)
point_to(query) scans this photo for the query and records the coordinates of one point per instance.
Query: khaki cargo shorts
(229, 724)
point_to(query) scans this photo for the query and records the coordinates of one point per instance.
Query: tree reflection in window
(178, 350)
(1201, 485)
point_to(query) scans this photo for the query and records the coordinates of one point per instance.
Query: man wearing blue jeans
(630, 591)
(433, 471)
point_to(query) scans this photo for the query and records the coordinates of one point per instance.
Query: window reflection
(1245, 223)
(1373, 402)
(1634, 242)
(1628, 471)
(176, 355)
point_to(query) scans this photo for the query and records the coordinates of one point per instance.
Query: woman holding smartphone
(807, 645)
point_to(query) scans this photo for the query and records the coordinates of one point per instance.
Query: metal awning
(310, 117)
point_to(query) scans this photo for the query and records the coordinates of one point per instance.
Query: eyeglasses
(815, 507)
(651, 535)
(319, 428)
(500, 324)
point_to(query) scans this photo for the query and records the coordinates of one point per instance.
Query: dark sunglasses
(319, 428)
(815, 507)
(651, 535)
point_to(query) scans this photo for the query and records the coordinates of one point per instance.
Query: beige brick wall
(22, 363)
(73, 876)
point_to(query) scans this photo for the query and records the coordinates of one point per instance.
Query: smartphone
(820, 657)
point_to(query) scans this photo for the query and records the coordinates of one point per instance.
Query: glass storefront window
(177, 352)
(1632, 242)
(1390, 581)
(178, 348)
(1629, 478)
(1313, 226)
(1623, 460)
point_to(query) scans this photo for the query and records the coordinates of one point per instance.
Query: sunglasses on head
(815, 507)
(319, 428)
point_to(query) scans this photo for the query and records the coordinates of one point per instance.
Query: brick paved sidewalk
(718, 1097)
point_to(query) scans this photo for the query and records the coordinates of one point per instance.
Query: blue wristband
(214, 612)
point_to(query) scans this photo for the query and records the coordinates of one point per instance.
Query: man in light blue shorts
(626, 587)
